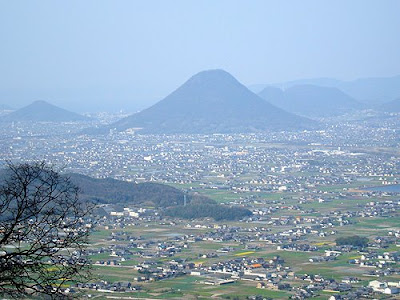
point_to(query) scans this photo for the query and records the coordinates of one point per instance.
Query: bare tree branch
(43, 232)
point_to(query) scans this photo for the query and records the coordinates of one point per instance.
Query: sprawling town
(307, 192)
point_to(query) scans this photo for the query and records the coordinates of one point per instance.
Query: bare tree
(43, 231)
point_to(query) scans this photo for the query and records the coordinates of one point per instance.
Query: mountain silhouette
(212, 102)
(391, 106)
(42, 111)
(311, 100)
(370, 91)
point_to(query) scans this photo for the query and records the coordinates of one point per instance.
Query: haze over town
(198, 150)
(101, 55)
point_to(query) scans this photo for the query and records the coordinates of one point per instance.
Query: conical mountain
(42, 111)
(311, 100)
(212, 102)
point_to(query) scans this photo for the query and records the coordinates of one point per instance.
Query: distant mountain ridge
(212, 102)
(372, 91)
(391, 106)
(42, 111)
(310, 100)
(133, 98)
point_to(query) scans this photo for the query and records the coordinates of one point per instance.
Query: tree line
(354, 240)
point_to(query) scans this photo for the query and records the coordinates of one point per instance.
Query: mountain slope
(42, 111)
(154, 194)
(116, 191)
(391, 106)
(374, 90)
(212, 102)
(122, 193)
(273, 95)
(311, 100)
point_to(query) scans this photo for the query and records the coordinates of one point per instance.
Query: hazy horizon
(133, 52)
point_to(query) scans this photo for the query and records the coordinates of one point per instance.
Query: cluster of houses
(378, 264)
(325, 158)
(267, 274)
(246, 165)
(385, 287)
(109, 287)
(344, 289)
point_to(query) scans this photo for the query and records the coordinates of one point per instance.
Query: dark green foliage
(116, 191)
(354, 240)
(215, 211)
(121, 192)
(200, 200)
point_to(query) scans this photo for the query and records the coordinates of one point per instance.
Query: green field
(194, 287)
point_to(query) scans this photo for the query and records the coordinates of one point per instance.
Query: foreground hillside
(110, 190)
(113, 191)
(159, 196)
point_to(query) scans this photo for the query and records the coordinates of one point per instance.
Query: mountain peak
(42, 111)
(212, 101)
(40, 102)
(213, 74)
(211, 79)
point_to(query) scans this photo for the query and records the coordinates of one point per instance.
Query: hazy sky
(150, 47)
